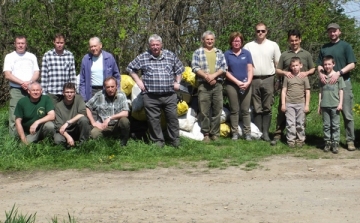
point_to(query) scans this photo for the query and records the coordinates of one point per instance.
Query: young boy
(330, 105)
(294, 104)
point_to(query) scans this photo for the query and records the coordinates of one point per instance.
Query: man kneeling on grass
(112, 112)
(71, 122)
(34, 115)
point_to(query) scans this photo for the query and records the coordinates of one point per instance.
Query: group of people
(249, 72)
(252, 72)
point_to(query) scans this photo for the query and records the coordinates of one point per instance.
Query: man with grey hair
(161, 75)
(209, 65)
(95, 67)
(34, 115)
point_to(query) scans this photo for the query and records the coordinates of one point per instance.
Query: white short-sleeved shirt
(21, 66)
(264, 55)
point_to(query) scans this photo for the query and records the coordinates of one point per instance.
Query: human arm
(341, 98)
(69, 123)
(319, 107)
(284, 73)
(283, 99)
(50, 116)
(82, 79)
(133, 67)
(307, 100)
(92, 120)
(20, 130)
(115, 117)
(303, 74)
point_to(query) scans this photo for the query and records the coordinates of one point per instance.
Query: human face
(261, 32)
(328, 65)
(20, 45)
(236, 43)
(110, 88)
(59, 44)
(95, 47)
(209, 42)
(35, 92)
(69, 95)
(294, 42)
(296, 67)
(334, 34)
(155, 47)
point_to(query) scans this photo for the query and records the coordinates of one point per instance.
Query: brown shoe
(206, 138)
(214, 138)
(350, 146)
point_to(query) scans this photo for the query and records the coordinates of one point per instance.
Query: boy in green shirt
(330, 105)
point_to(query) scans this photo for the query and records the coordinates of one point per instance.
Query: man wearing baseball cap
(344, 63)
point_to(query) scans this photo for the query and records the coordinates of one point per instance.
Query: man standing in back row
(20, 69)
(308, 68)
(265, 54)
(58, 68)
(344, 63)
(96, 66)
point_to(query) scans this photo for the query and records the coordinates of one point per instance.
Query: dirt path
(284, 189)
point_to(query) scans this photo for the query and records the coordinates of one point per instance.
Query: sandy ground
(282, 189)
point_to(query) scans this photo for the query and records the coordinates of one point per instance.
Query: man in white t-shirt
(20, 69)
(265, 54)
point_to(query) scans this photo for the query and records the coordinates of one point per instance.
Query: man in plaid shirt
(161, 76)
(209, 65)
(58, 68)
(112, 112)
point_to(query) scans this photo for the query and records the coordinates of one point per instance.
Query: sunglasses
(261, 31)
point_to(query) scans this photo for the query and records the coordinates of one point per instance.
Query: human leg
(267, 91)
(153, 106)
(290, 124)
(245, 100)
(170, 109)
(217, 106)
(15, 95)
(204, 100)
(256, 102)
(122, 129)
(300, 120)
(233, 96)
(347, 114)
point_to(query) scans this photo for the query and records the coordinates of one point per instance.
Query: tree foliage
(124, 26)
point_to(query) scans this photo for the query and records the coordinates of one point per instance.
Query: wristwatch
(69, 123)
(341, 73)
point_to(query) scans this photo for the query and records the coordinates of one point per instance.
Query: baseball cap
(333, 26)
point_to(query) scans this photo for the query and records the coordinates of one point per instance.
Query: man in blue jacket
(95, 67)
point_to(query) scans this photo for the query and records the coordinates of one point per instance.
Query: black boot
(266, 121)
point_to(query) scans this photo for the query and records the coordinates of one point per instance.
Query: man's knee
(83, 122)
(49, 128)
(59, 139)
(95, 133)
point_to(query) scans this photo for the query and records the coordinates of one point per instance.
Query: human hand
(213, 82)
(176, 86)
(289, 75)
(283, 108)
(319, 110)
(24, 140)
(334, 77)
(306, 109)
(339, 107)
(98, 125)
(63, 128)
(141, 85)
(70, 140)
(302, 75)
(33, 128)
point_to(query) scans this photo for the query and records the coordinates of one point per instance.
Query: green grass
(106, 154)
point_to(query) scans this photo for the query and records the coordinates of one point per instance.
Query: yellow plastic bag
(127, 84)
(189, 77)
(182, 108)
(224, 129)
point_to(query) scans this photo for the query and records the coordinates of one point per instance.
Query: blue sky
(352, 9)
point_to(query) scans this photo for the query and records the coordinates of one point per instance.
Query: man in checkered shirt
(161, 76)
(58, 68)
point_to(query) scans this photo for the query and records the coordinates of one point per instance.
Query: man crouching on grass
(112, 112)
(71, 122)
(34, 115)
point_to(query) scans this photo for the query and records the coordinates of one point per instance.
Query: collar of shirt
(64, 53)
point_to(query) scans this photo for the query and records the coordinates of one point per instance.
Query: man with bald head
(95, 67)
(34, 115)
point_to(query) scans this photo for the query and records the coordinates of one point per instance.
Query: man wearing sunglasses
(265, 54)
(71, 122)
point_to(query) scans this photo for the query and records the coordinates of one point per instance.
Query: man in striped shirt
(58, 68)
(161, 76)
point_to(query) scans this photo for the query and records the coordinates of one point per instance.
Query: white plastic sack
(255, 132)
(195, 133)
(137, 101)
(186, 122)
(225, 115)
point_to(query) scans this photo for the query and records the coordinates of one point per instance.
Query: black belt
(97, 87)
(262, 77)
